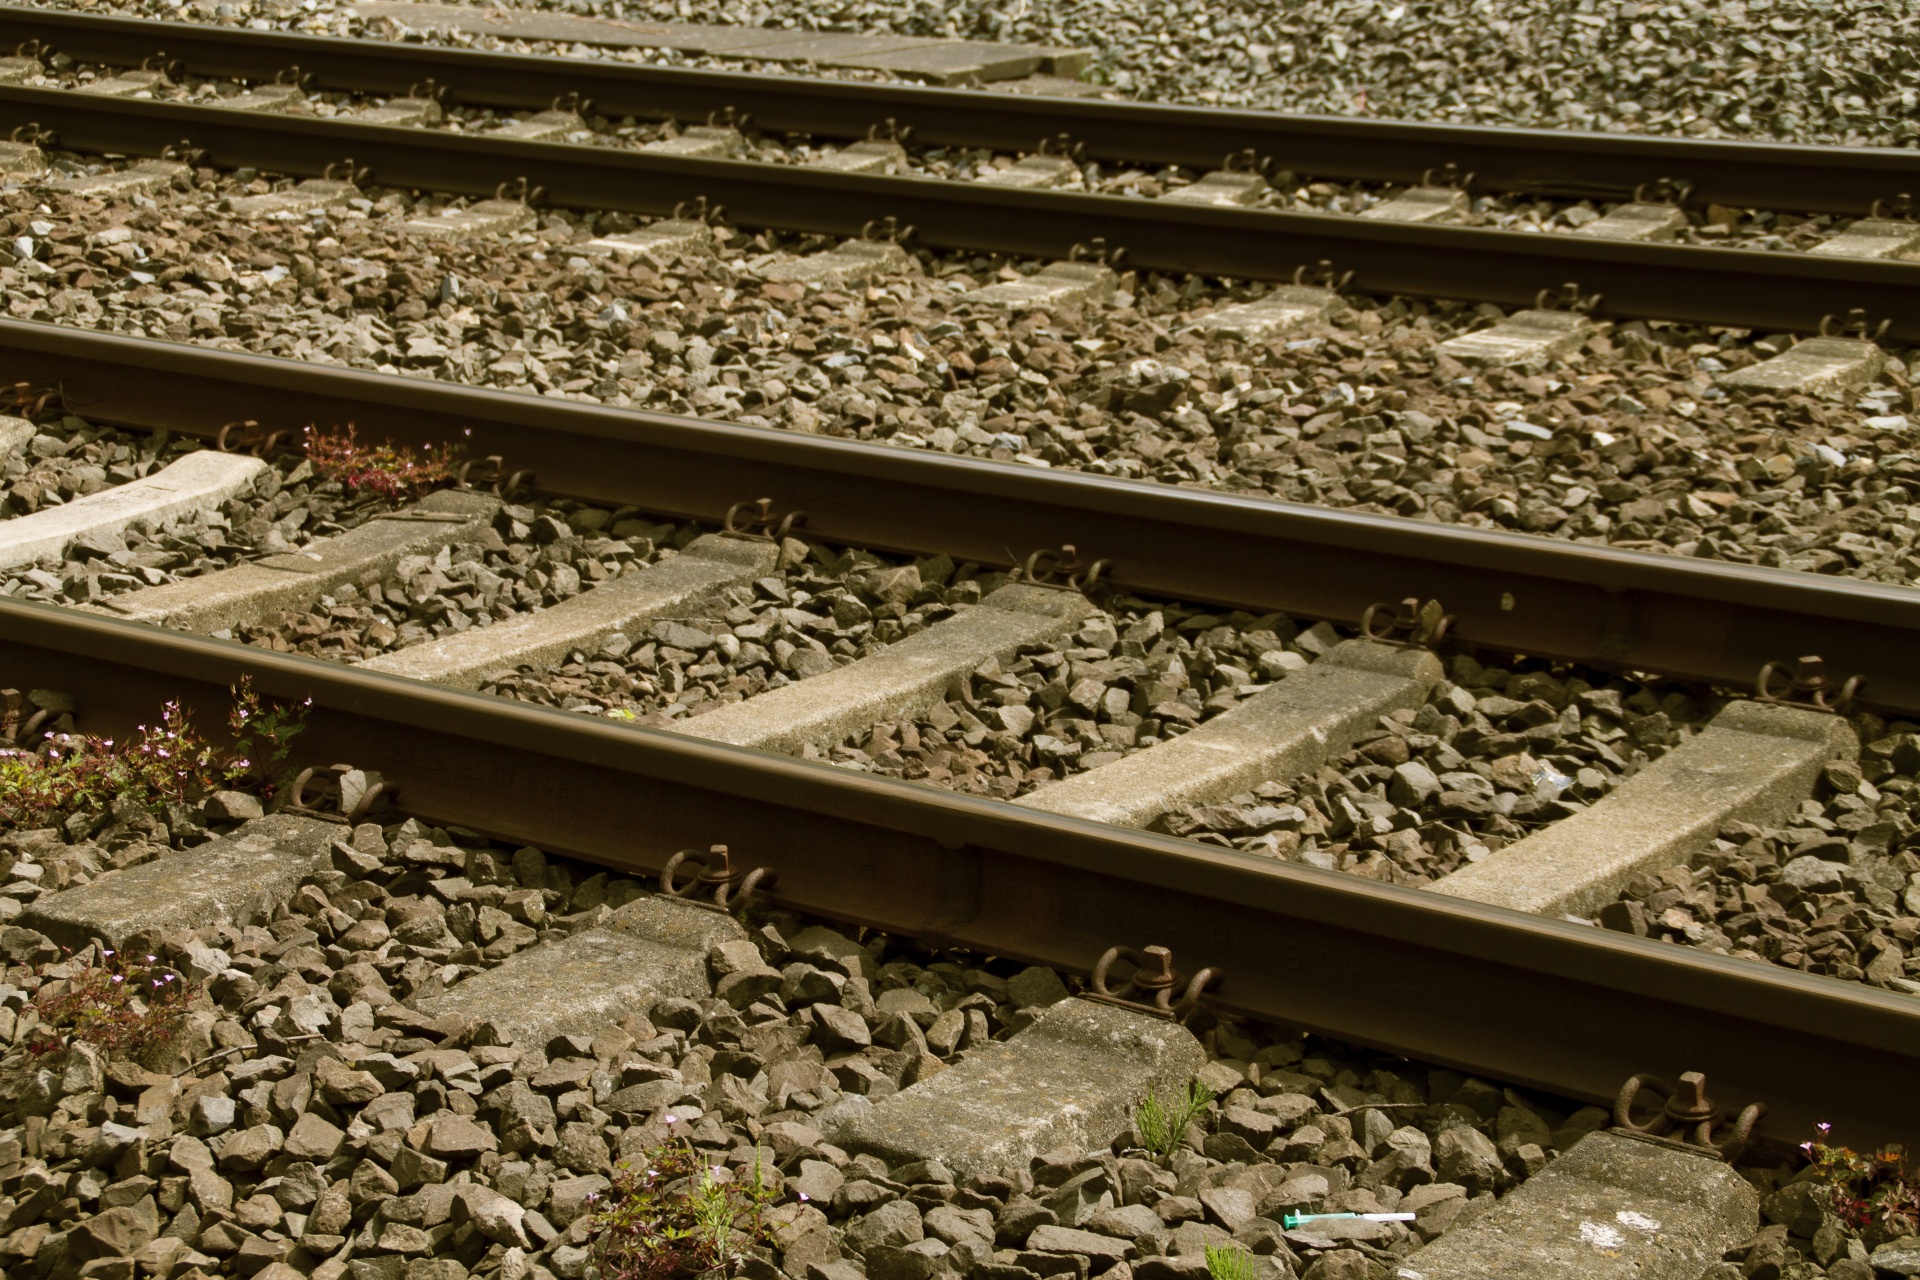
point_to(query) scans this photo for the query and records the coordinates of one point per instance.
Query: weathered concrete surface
(1071, 1079)
(1285, 731)
(1032, 172)
(1285, 309)
(465, 659)
(652, 949)
(314, 193)
(265, 97)
(248, 593)
(1525, 337)
(1815, 367)
(1612, 1208)
(197, 482)
(1221, 187)
(19, 70)
(700, 140)
(1874, 238)
(403, 113)
(871, 156)
(904, 679)
(849, 262)
(482, 218)
(661, 243)
(1423, 204)
(141, 179)
(1649, 222)
(235, 878)
(1754, 762)
(125, 84)
(543, 126)
(1055, 285)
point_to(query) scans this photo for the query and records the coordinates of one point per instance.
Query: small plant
(1161, 1125)
(1229, 1262)
(123, 1006)
(1880, 1190)
(670, 1216)
(167, 763)
(392, 472)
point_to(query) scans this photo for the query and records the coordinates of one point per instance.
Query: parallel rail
(1541, 161)
(1558, 1006)
(1674, 282)
(1697, 619)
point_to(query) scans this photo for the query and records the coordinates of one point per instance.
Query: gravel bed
(265, 1169)
(307, 1117)
(1630, 443)
(1799, 70)
(1835, 890)
(69, 458)
(1713, 226)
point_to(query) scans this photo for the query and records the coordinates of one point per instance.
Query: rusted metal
(759, 521)
(718, 885)
(1677, 615)
(1409, 622)
(1540, 1002)
(343, 793)
(1687, 1118)
(1807, 684)
(1062, 569)
(1154, 986)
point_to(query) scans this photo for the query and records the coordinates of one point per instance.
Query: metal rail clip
(28, 399)
(698, 210)
(1667, 191)
(717, 886)
(1856, 325)
(1097, 250)
(1062, 144)
(520, 189)
(1687, 1119)
(16, 732)
(1447, 175)
(34, 134)
(1322, 274)
(890, 130)
(1062, 570)
(1898, 209)
(758, 521)
(1409, 623)
(430, 89)
(346, 170)
(183, 151)
(1152, 986)
(248, 435)
(492, 472)
(887, 228)
(1568, 297)
(1808, 686)
(345, 794)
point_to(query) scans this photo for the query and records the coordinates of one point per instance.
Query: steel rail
(1542, 1002)
(1542, 161)
(1510, 592)
(1701, 285)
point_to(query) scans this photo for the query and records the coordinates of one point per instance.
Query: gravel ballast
(308, 1120)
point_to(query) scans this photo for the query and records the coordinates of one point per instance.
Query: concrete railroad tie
(903, 680)
(1754, 763)
(246, 594)
(467, 659)
(1285, 731)
(197, 482)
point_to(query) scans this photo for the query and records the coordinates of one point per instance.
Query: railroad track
(900, 559)
(1727, 287)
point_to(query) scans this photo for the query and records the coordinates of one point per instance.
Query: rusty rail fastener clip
(1807, 685)
(1152, 986)
(717, 886)
(1687, 1118)
(346, 794)
(1061, 570)
(1408, 623)
(758, 521)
